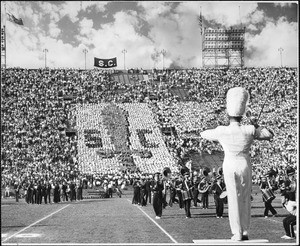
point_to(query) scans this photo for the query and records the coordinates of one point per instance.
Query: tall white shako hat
(236, 101)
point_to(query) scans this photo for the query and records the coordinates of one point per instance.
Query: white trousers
(238, 181)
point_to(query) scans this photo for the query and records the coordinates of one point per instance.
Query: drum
(98, 182)
(268, 194)
(223, 194)
(186, 194)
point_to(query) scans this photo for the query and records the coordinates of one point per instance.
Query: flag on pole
(200, 23)
(15, 20)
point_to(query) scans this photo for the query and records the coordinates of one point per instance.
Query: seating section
(126, 79)
(109, 125)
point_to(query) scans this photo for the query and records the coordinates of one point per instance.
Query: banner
(105, 63)
(13, 19)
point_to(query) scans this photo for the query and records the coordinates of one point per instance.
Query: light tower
(280, 50)
(3, 47)
(124, 52)
(163, 52)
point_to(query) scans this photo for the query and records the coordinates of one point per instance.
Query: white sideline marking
(29, 235)
(163, 230)
(229, 241)
(35, 223)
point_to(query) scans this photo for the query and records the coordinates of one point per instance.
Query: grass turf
(116, 220)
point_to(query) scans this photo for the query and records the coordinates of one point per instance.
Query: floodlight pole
(163, 52)
(124, 52)
(45, 51)
(85, 51)
(280, 50)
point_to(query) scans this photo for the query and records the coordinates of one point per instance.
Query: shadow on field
(12, 204)
(90, 201)
(262, 206)
(270, 216)
(12, 226)
(207, 215)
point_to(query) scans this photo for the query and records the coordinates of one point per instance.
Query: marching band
(184, 189)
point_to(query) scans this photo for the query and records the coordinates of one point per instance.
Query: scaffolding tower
(223, 47)
(3, 47)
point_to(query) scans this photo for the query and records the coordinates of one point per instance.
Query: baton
(266, 98)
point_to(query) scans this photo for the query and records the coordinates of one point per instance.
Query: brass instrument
(167, 172)
(184, 170)
(204, 188)
(207, 175)
(205, 171)
(220, 171)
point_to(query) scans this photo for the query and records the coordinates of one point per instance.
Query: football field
(117, 221)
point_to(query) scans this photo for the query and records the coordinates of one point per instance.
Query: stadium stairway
(125, 78)
(180, 92)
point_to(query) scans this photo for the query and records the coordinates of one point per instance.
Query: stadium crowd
(38, 111)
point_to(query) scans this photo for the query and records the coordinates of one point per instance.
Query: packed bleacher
(39, 106)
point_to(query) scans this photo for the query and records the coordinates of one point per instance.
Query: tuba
(184, 170)
(167, 172)
(220, 171)
(205, 171)
(203, 187)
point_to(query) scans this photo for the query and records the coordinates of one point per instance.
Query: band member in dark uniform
(203, 188)
(217, 188)
(157, 190)
(44, 191)
(17, 188)
(34, 197)
(265, 184)
(29, 188)
(166, 193)
(72, 191)
(196, 181)
(143, 192)
(290, 205)
(79, 190)
(136, 192)
(178, 186)
(49, 187)
(186, 193)
(56, 195)
(290, 182)
(64, 191)
(39, 193)
(172, 192)
(148, 190)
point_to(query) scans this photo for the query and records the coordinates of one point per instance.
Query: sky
(144, 29)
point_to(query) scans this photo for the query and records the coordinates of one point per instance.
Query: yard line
(163, 230)
(35, 223)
